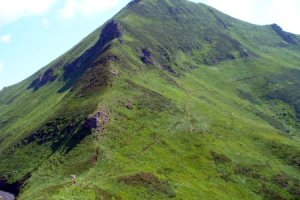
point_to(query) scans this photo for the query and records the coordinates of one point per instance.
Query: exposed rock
(229, 56)
(115, 73)
(173, 11)
(132, 2)
(288, 37)
(97, 77)
(208, 39)
(111, 31)
(98, 120)
(169, 69)
(220, 22)
(147, 56)
(93, 122)
(129, 105)
(6, 196)
(13, 188)
(42, 80)
(106, 59)
(244, 53)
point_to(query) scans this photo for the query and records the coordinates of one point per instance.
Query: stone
(129, 105)
(147, 56)
(98, 120)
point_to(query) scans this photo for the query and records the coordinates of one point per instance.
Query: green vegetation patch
(150, 181)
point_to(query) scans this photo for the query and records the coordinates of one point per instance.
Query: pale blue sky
(34, 32)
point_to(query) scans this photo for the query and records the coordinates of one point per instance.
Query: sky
(35, 32)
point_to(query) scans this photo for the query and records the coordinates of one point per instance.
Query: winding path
(6, 196)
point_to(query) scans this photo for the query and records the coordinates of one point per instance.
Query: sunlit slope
(169, 99)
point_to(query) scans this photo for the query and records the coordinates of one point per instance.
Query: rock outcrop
(112, 30)
(129, 105)
(98, 120)
(12, 190)
(147, 57)
(43, 79)
(6, 196)
(132, 2)
(169, 69)
(287, 37)
(220, 22)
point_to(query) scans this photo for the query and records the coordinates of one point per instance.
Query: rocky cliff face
(112, 30)
(287, 37)
(98, 120)
(147, 57)
(43, 79)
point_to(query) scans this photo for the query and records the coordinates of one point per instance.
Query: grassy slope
(207, 132)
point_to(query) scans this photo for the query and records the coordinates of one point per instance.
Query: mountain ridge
(166, 100)
(274, 26)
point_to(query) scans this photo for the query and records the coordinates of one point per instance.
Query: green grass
(208, 131)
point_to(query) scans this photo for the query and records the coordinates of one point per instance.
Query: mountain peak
(215, 98)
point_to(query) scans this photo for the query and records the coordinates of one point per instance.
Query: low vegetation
(169, 100)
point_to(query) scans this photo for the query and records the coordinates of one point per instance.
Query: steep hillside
(167, 100)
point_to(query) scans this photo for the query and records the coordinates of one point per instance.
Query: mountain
(167, 100)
